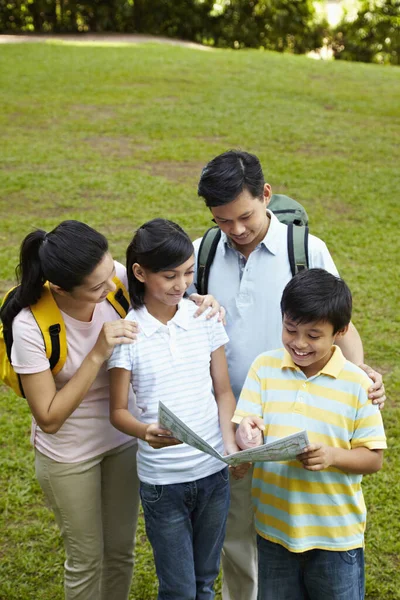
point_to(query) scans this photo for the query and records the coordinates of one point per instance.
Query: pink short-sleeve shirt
(88, 431)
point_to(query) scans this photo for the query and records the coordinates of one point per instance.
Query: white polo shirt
(251, 292)
(172, 363)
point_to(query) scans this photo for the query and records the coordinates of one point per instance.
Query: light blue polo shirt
(251, 292)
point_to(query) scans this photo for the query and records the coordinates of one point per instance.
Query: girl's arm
(122, 419)
(51, 408)
(225, 399)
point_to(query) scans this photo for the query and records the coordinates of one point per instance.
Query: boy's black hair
(158, 245)
(227, 175)
(316, 295)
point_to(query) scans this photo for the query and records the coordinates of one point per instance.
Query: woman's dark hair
(316, 295)
(158, 245)
(64, 256)
(228, 175)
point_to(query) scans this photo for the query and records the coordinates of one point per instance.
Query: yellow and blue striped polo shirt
(294, 507)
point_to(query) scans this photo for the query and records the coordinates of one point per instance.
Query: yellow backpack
(52, 327)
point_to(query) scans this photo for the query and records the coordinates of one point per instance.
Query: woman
(86, 468)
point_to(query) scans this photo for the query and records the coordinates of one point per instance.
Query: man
(248, 274)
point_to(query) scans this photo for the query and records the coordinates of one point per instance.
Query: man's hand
(205, 302)
(316, 457)
(376, 392)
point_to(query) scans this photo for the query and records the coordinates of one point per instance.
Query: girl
(86, 468)
(181, 360)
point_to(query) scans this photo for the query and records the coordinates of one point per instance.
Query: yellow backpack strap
(51, 324)
(119, 298)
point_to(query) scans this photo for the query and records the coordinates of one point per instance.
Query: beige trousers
(239, 554)
(95, 504)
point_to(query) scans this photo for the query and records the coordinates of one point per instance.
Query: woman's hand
(112, 334)
(205, 302)
(376, 392)
(157, 437)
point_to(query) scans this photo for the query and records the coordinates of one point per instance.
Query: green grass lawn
(117, 135)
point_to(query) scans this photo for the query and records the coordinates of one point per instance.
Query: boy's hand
(204, 302)
(316, 457)
(157, 437)
(376, 392)
(250, 432)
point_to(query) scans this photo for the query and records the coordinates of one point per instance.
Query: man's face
(244, 220)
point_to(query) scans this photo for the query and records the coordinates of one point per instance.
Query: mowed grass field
(116, 135)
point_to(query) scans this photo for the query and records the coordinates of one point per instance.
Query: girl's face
(167, 287)
(97, 284)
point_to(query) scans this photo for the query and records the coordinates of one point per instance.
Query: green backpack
(288, 211)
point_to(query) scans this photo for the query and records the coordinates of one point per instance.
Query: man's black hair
(225, 177)
(316, 295)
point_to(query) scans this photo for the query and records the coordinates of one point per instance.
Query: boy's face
(309, 344)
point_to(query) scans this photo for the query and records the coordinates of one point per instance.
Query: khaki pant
(95, 504)
(239, 555)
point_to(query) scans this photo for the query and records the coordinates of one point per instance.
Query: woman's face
(98, 284)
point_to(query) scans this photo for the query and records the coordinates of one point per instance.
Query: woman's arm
(122, 419)
(51, 408)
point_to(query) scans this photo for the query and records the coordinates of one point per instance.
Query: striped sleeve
(368, 426)
(250, 401)
(216, 333)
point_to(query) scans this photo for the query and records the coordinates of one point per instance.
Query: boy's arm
(123, 420)
(360, 461)
(352, 348)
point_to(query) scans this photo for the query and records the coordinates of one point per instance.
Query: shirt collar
(270, 240)
(149, 324)
(332, 368)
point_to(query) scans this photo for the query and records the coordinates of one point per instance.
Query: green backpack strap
(205, 257)
(119, 298)
(297, 245)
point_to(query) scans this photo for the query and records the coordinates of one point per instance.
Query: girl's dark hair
(64, 256)
(158, 245)
(316, 295)
(228, 175)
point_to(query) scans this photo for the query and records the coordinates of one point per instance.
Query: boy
(310, 513)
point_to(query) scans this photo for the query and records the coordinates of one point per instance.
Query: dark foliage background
(281, 25)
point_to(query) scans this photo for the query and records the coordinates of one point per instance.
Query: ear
(339, 334)
(267, 193)
(58, 290)
(139, 272)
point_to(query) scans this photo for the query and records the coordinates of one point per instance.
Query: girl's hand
(239, 471)
(250, 432)
(112, 334)
(316, 457)
(376, 392)
(204, 302)
(157, 437)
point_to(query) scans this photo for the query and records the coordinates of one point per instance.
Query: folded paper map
(285, 448)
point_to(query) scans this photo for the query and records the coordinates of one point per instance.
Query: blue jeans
(185, 524)
(311, 575)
